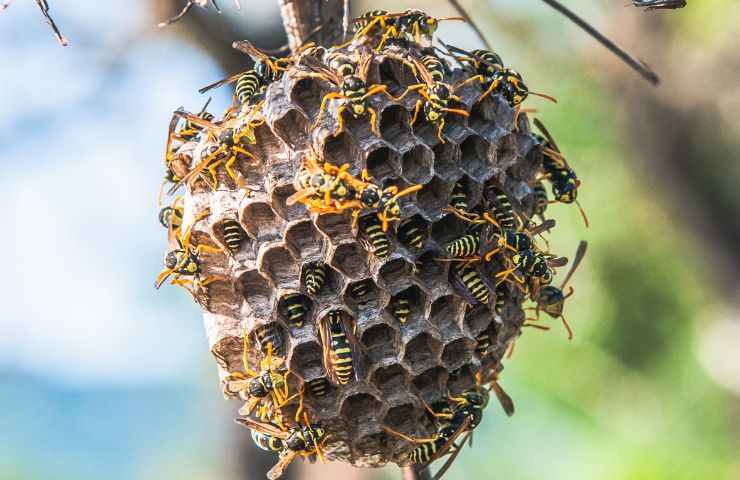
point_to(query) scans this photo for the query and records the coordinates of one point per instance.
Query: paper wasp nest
(433, 352)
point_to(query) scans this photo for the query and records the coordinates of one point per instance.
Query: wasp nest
(300, 236)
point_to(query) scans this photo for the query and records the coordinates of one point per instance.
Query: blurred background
(102, 376)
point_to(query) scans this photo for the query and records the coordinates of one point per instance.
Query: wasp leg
(329, 96)
(409, 89)
(409, 439)
(440, 129)
(417, 109)
(340, 121)
(374, 121)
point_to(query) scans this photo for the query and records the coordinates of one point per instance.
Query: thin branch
(463, 13)
(634, 63)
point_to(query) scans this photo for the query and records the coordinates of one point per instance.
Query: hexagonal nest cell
(257, 291)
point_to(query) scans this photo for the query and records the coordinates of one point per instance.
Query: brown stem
(319, 21)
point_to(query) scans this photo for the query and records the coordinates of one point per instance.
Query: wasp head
(370, 197)
(389, 206)
(551, 300)
(173, 258)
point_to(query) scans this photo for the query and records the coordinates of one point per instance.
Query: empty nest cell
(391, 380)
(457, 352)
(292, 128)
(335, 226)
(381, 342)
(280, 266)
(279, 199)
(260, 221)
(432, 384)
(350, 259)
(417, 164)
(447, 158)
(257, 291)
(382, 163)
(303, 239)
(443, 315)
(394, 123)
(422, 352)
(429, 269)
(477, 157)
(360, 411)
(340, 150)
(393, 271)
(306, 359)
(396, 75)
(307, 94)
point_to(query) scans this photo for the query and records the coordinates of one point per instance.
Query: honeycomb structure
(433, 352)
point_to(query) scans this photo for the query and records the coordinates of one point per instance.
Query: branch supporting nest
(318, 21)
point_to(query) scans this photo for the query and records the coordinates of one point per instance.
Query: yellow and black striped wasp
(182, 262)
(350, 79)
(551, 299)
(341, 350)
(401, 306)
(176, 165)
(436, 94)
(314, 277)
(294, 307)
(256, 387)
(170, 217)
(412, 24)
(232, 139)
(562, 177)
(326, 188)
(268, 337)
(303, 440)
(493, 76)
(373, 238)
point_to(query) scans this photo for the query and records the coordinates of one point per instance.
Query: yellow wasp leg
(374, 121)
(493, 87)
(340, 120)
(439, 130)
(416, 112)
(407, 438)
(324, 101)
(409, 89)
(212, 169)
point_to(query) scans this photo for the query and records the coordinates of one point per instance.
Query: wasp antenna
(545, 96)
(583, 213)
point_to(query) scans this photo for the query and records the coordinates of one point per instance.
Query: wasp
(184, 261)
(305, 441)
(659, 4)
(232, 143)
(314, 277)
(411, 235)
(488, 69)
(534, 265)
(254, 82)
(170, 217)
(401, 307)
(551, 300)
(360, 289)
(482, 343)
(268, 337)
(294, 307)
(232, 235)
(540, 199)
(318, 386)
(373, 238)
(459, 197)
(562, 177)
(340, 348)
(470, 283)
(353, 92)
(326, 188)
(412, 23)
(465, 246)
(256, 386)
(503, 212)
(435, 92)
(174, 168)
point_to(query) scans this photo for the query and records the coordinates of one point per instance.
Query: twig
(463, 13)
(634, 63)
(319, 20)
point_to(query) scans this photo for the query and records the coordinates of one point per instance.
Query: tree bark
(312, 20)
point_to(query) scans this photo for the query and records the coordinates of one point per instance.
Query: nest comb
(433, 352)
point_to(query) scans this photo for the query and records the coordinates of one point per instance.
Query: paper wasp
(373, 238)
(326, 188)
(170, 217)
(493, 76)
(436, 93)
(551, 300)
(255, 387)
(401, 307)
(294, 307)
(232, 143)
(268, 337)
(353, 92)
(184, 261)
(562, 177)
(305, 441)
(314, 277)
(459, 197)
(340, 348)
(413, 24)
